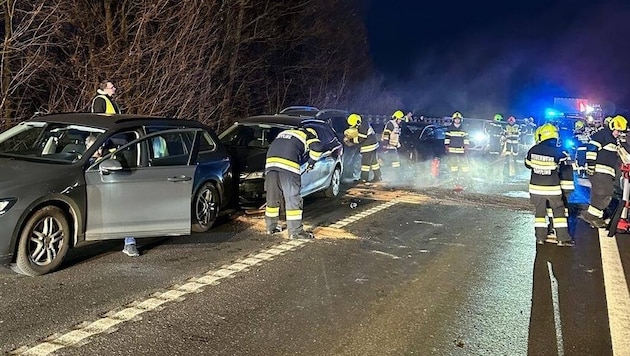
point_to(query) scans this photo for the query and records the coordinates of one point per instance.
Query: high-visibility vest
(109, 106)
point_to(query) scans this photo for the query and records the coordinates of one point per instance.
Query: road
(410, 271)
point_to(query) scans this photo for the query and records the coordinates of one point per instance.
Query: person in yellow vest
(391, 140)
(104, 102)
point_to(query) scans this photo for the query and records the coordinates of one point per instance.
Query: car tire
(44, 242)
(334, 188)
(205, 208)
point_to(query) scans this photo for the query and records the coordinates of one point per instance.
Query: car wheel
(335, 184)
(44, 242)
(205, 208)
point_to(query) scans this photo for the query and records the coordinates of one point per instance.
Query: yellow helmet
(547, 131)
(457, 115)
(498, 117)
(579, 124)
(618, 123)
(398, 115)
(537, 134)
(354, 120)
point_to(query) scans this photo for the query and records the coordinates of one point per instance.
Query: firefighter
(543, 159)
(361, 132)
(567, 185)
(494, 130)
(283, 178)
(601, 166)
(512, 136)
(391, 140)
(456, 146)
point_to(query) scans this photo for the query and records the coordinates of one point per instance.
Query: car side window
(206, 143)
(170, 148)
(128, 157)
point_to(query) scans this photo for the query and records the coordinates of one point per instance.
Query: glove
(309, 167)
(590, 170)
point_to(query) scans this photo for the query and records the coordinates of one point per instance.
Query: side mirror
(110, 165)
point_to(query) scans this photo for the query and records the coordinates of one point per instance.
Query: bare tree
(208, 60)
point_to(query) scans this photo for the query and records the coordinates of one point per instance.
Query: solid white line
(617, 295)
(556, 309)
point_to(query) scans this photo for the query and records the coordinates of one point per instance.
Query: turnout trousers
(602, 188)
(559, 220)
(369, 162)
(284, 187)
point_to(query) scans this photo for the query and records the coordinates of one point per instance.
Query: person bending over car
(283, 178)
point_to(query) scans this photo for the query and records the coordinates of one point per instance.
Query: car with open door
(248, 141)
(69, 179)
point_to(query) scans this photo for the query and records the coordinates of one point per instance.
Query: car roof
(107, 121)
(301, 108)
(326, 113)
(280, 119)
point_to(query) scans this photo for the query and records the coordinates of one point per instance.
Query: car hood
(16, 173)
(248, 159)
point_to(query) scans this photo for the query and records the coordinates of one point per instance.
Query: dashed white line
(81, 333)
(555, 297)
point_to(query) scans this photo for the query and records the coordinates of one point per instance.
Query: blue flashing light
(569, 144)
(551, 113)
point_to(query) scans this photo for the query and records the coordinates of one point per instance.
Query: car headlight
(253, 175)
(479, 137)
(6, 204)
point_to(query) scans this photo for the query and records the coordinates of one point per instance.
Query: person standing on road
(283, 180)
(391, 141)
(512, 134)
(601, 166)
(456, 147)
(544, 160)
(103, 102)
(361, 132)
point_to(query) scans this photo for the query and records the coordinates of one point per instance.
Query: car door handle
(179, 179)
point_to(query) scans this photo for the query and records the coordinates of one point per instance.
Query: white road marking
(81, 333)
(349, 220)
(385, 254)
(556, 309)
(427, 222)
(617, 295)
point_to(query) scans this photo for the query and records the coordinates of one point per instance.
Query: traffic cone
(435, 167)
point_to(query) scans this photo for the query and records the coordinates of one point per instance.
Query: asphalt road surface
(422, 270)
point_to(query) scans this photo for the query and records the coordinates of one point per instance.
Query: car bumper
(252, 193)
(8, 221)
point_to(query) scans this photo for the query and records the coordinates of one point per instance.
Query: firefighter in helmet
(601, 166)
(567, 185)
(456, 146)
(545, 190)
(283, 178)
(494, 129)
(512, 135)
(390, 139)
(361, 132)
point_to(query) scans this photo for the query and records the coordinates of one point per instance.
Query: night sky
(513, 57)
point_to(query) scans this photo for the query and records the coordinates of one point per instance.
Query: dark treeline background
(213, 61)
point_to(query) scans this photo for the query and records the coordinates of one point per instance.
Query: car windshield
(60, 142)
(251, 135)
